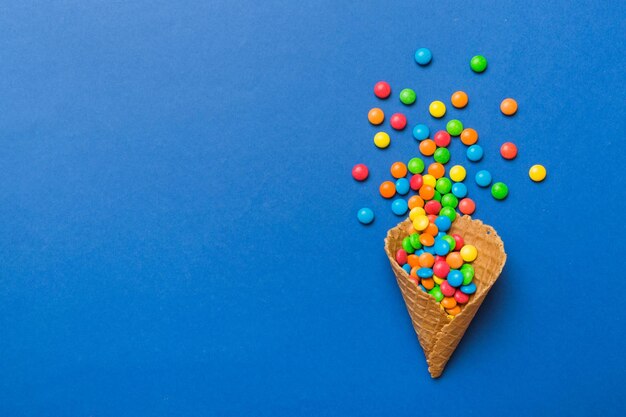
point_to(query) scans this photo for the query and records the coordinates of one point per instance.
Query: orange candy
(436, 170)
(453, 311)
(432, 230)
(508, 107)
(429, 283)
(432, 218)
(375, 116)
(469, 136)
(427, 240)
(413, 273)
(428, 147)
(387, 189)
(448, 302)
(427, 260)
(455, 260)
(426, 192)
(415, 201)
(459, 99)
(398, 170)
(413, 260)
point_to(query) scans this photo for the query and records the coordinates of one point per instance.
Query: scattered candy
(483, 178)
(402, 186)
(457, 173)
(437, 109)
(398, 170)
(399, 206)
(423, 56)
(459, 190)
(382, 89)
(478, 63)
(508, 150)
(365, 215)
(474, 153)
(442, 138)
(398, 121)
(499, 190)
(469, 136)
(427, 147)
(459, 99)
(537, 173)
(454, 127)
(360, 172)
(508, 107)
(442, 155)
(407, 96)
(381, 140)
(467, 206)
(436, 170)
(416, 181)
(387, 189)
(469, 253)
(421, 132)
(376, 116)
(416, 166)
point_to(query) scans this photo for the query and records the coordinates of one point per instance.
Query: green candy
(449, 200)
(454, 127)
(499, 190)
(450, 241)
(436, 292)
(416, 166)
(437, 196)
(414, 239)
(442, 155)
(443, 185)
(468, 273)
(407, 96)
(478, 63)
(449, 212)
(406, 245)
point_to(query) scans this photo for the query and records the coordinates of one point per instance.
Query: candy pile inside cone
(438, 332)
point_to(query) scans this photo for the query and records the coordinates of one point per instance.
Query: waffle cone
(439, 334)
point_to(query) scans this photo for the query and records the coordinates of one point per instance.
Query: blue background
(178, 229)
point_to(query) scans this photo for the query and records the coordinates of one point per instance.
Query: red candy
(441, 269)
(467, 206)
(508, 150)
(447, 289)
(398, 121)
(432, 218)
(360, 172)
(440, 258)
(416, 182)
(460, 297)
(442, 138)
(432, 207)
(401, 257)
(458, 240)
(382, 89)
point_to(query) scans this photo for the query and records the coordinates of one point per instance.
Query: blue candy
(442, 247)
(475, 153)
(483, 178)
(419, 252)
(443, 223)
(455, 278)
(469, 288)
(423, 288)
(421, 132)
(459, 190)
(427, 273)
(423, 56)
(402, 186)
(365, 215)
(407, 268)
(430, 249)
(399, 206)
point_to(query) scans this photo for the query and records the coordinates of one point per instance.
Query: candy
(427, 260)
(420, 223)
(402, 186)
(441, 268)
(483, 178)
(468, 273)
(469, 136)
(426, 239)
(499, 190)
(414, 239)
(437, 109)
(449, 239)
(415, 166)
(421, 132)
(448, 302)
(443, 223)
(399, 206)
(436, 170)
(360, 172)
(453, 311)
(432, 207)
(382, 89)
(454, 127)
(457, 173)
(469, 289)
(376, 116)
(474, 153)
(469, 253)
(416, 211)
(423, 56)
(407, 268)
(537, 173)
(427, 192)
(442, 138)
(416, 182)
(454, 260)
(406, 245)
(449, 200)
(429, 180)
(459, 190)
(458, 239)
(401, 256)
(508, 107)
(415, 201)
(427, 147)
(365, 215)
(432, 229)
(387, 189)
(398, 121)
(428, 283)
(442, 247)
(467, 206)
(478, 63)
(413, 260)
(461, 297)
(425, 272)
(447, 289)
(508, 150)
(449, 212)
(436, 293)
(398, 170)
(443, 185)
(381, 140)
(407, 96)
(442, 155)
(455, 278)
(459, 99)
(437, 280)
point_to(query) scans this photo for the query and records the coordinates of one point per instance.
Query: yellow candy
(457, 173)
(416, 211)
(437, 109)
(537, 173)
(469, 253)
(437, 279)
(381, 139)
(429, 180)
(420, 223)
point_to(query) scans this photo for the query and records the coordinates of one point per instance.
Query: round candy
(416, 166)
(437, 109)
(421, 132)
(447, 289)
(401, 256)
(387, 189)
(469, 136)
(448, 302)
(382, 89)
(455, 278)
(436, 292)
(432, 207)
(426, 239)
(449, 212)
(360, 172)
(459, 190)
(442, 155)
(537, 173)
(461, 297)
(442, 138)
(449, 200)
(475, 153)
(467, 206)
(508, 107)
(483, 178)
(454, 260)
(416, 211)
(437, 170)
(442, 247)
(508, 150)
(443, 223)
(398, 121)
(415, 201)
(469, 289)
(468, 273)
(416, 182)
(427, 147)
(406, 245)
(423, 56)
(454, 127)
(402, 186)
(459, 99)
(376, 116)
(407, 268)
(420, 223)
(478, 63)
(453, 311)
(443, 185)
(441, 268)
(450, 241)
(437, 197)
(398, 170)
(414, 239)
(457, 173)
(424, 272)
(469, 253)
(365, 215)
(407, 96)
(458, 241)
(427, 260)
(399, 207)
(499, 190)
(429, 179)
(381, 140)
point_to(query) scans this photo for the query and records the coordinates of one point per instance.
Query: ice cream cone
(438, 333)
